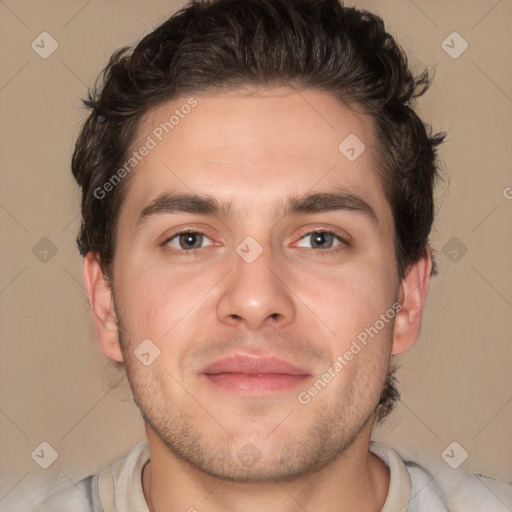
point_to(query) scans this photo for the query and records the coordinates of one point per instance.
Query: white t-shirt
(412, 488)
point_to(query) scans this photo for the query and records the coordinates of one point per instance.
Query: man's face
(227, 318)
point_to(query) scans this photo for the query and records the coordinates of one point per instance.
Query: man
(257, 201)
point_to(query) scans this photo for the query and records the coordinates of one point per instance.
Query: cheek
(145, 301)
(350, 299)
(163, 304)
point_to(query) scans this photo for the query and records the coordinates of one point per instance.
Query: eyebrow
(169, 203)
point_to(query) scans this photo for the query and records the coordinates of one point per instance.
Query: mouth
(254, 375)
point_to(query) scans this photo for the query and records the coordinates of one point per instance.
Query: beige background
(56, 385)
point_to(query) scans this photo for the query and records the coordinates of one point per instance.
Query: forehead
(254, 148)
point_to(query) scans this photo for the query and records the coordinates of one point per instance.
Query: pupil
(192, 239)
(320, 238)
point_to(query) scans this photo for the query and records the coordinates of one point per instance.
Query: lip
(249, 374)
(253, 365)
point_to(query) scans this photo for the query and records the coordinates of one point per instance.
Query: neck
(355, 480)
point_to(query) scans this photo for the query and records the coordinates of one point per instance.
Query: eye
(187, 241)
(323, 240)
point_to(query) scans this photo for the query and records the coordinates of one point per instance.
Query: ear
(99, 293)
(412, 295)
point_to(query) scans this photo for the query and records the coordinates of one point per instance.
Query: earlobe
(413, 293)
(99, 293)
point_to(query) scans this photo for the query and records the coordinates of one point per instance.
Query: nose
(256, 294)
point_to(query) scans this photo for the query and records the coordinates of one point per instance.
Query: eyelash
(322, 252)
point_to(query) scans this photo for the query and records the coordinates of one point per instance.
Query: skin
(255, 150)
